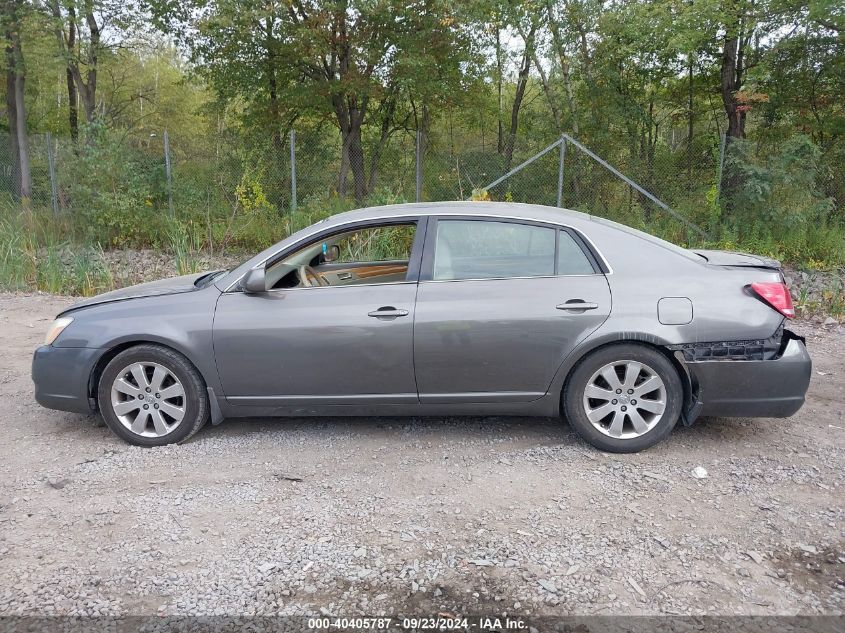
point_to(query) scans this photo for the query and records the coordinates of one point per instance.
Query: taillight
(776, 294)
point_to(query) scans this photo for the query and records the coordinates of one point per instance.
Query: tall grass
(185, 245)
(32, 257)
(17, 258)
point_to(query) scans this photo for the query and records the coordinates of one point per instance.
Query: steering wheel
(308, 276)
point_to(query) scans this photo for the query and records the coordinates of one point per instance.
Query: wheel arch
(121, 346)
(636, 338)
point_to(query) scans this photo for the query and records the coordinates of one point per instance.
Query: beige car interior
(364, 256)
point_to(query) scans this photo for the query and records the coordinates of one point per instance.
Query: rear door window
(487, 249)
(483, 249)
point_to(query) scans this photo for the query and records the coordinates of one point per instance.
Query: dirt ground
(392, 516)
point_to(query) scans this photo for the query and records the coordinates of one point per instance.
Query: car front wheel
(624, 398)
(150, 395)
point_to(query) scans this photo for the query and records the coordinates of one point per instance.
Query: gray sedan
(440, 309)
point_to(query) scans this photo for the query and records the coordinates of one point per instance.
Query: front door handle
(387, 312)
(577, 304)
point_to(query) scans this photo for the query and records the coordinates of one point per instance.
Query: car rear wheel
(150, 395)
(623, 398)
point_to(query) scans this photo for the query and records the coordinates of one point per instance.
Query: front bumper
(61, 376)
(772, 388)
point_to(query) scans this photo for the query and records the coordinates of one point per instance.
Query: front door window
(369, 255)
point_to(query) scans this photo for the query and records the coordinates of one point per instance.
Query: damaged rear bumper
(771, 388)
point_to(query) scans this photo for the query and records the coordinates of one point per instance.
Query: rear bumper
(61, 377)
(754, 388)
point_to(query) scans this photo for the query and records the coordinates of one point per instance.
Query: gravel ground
(387, 516)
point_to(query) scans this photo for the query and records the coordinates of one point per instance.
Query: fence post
(51, 163)
(168, 173)
(560, 171)
(418, 168)
(292, 171)
(722, 147)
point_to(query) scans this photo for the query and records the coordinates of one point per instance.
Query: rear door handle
(577, 304)
(387, 312)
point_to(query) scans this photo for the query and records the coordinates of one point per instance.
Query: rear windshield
(684, 252)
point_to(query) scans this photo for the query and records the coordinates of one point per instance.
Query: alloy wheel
(625, 399)
(148, 399)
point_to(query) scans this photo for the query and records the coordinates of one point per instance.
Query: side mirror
(331, 253)
(254, 281)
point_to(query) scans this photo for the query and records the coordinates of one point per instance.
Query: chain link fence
(568, 174)
(664, 186)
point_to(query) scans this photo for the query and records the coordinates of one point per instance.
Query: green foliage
(251, 196)
(777, 196)
(384, 196)
(480, 195)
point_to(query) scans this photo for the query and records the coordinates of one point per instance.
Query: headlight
(57, 328)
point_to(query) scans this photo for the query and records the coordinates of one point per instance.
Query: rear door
(500, 304)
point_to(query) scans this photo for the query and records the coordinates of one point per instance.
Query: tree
(348, 59)
(506, 22)
(829, 14)
(526, 20)
(12, 18)
(67, 42)
(573, 24)
(739, 29)
(804, 80)
(78, 26)
(750, 30)
(364, 53)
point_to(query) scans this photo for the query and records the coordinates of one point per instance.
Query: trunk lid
(741, 260)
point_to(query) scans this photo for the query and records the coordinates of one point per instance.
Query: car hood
(731, 258)
(169, 286)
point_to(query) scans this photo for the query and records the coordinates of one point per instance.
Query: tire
(171, 414)
(605, 374)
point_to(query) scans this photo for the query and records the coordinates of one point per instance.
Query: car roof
(481, 209)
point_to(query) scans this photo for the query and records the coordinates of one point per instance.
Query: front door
(316, 337)
(492, 322)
